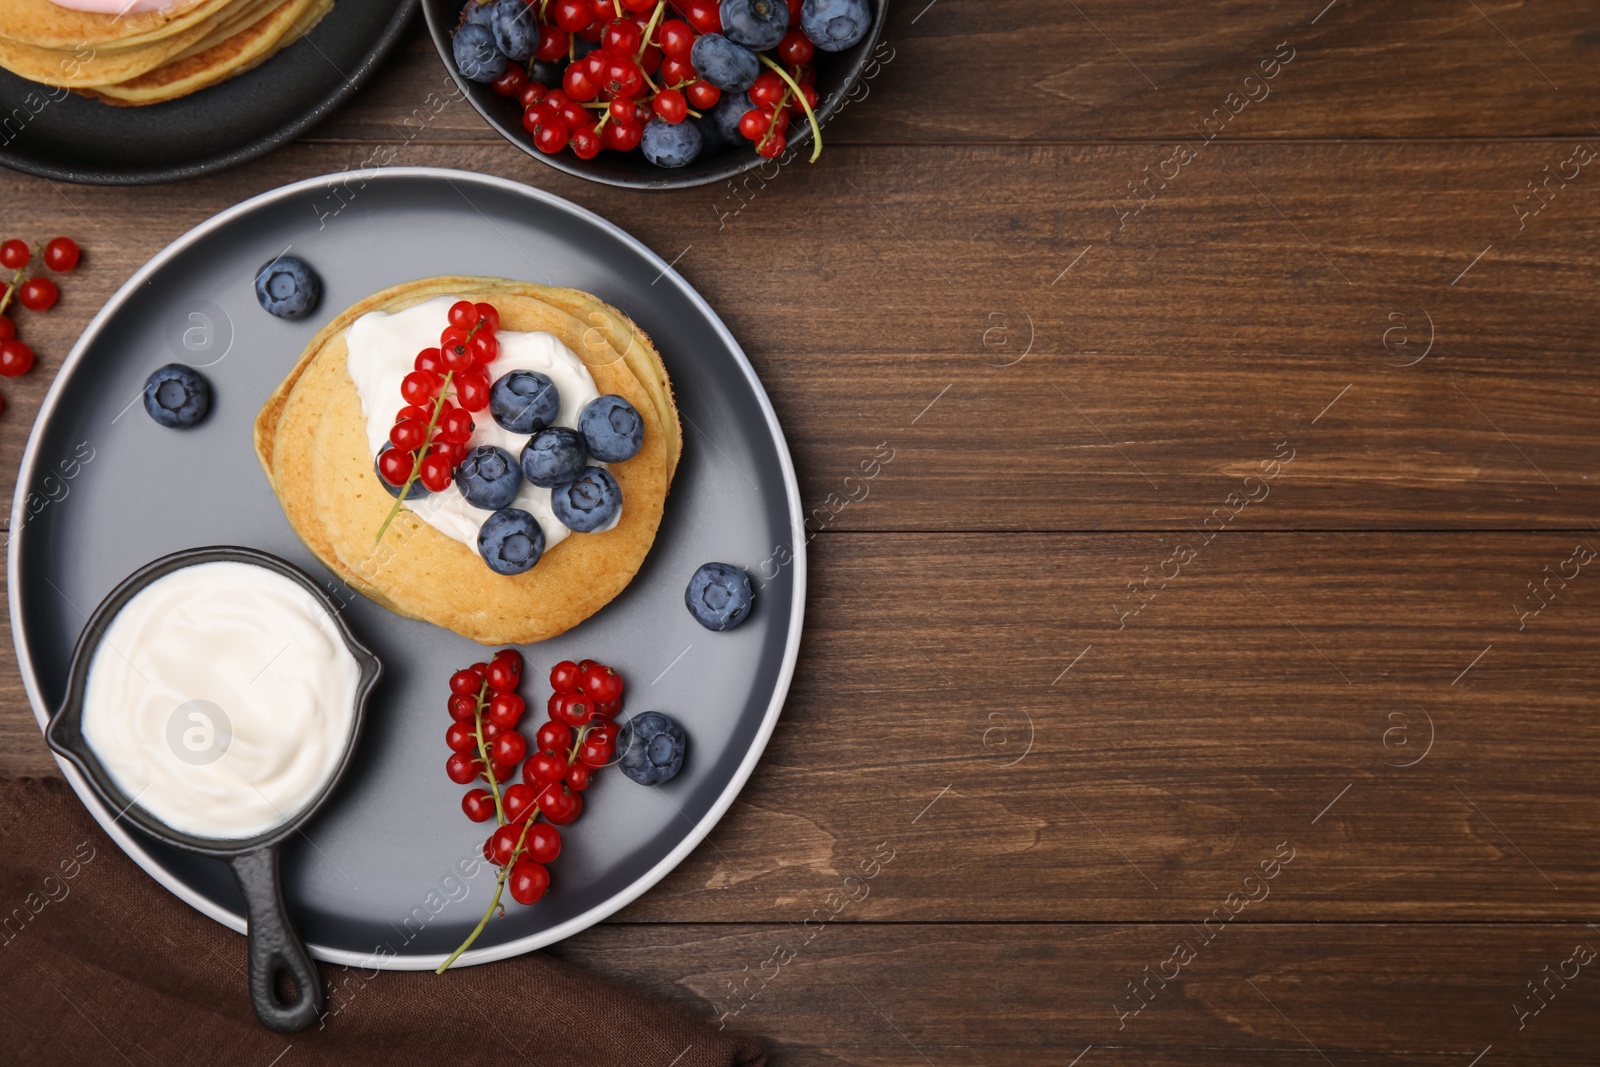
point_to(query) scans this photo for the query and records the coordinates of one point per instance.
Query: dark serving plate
(379, 875)
(837, 74)
(75, 139)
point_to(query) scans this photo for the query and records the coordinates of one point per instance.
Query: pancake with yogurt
(317, 448)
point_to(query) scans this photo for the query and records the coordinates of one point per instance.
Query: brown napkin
(100, 965)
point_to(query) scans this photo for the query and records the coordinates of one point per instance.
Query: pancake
(206, 64)
(150, 56)
(311, 439)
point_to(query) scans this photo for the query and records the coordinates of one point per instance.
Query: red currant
(543, 842)
(8, 329)
(491, 730)
(601, 683)
(14, 254)
(408, 435)
(810, 94)
(430, 361)
(504, 771)
(412, 411)
(462, 314)
(571, 15)
(466, 682)
(575, 115)
(533, 92)
(505, 670)
(585, 664)
(772, 147)
(597, 748)
(449, 452)
(577, 777)
(753, 124)
(463, 708)
(573, 709)
(488, 317)
(509, 747)
(676, 37)
(460, 737)
(552, 44)
(677, 71)
(38, 293)
(637, 6)
(455, 350)
(501, 844)
(511, 82)
(394, 466)
(578, 84)
(419, 387)
(478, 805)
(559, 805)
(622, 36)
(767, 90)
(606, 709)
(703, 15)
(61, 254)
(564, 677)
(702, 95)
(436, 471)
(554, 737)
(461, 768)
(544, 768)
(528, 882)
(622, 78)
(519, 800)
(505, 710)
(796, 49)
(650, 60)
(484, 347)
(670, 105)
(15, 358)
(455, 425)
(585, 143)
(622, 136)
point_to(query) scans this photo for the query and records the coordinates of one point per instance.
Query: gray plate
(376, 878)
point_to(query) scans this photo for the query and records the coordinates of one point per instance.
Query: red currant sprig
(430, 434)
(571, 748)
(36, 293)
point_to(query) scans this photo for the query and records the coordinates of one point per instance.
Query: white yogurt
(382, 349)
(114, 7)
(221, 699)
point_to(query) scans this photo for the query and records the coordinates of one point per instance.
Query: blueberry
(553, 456)
(834, 25)
(725, 117)
(719, 596)
(515, 28)
(668, 145)
(478, 14)
(476, 56)
(612, 429)
(176, 396)
(756, 24)
(510, 541)
(589, 503)
(489, 477)
(418, 490)
(287, 287)
(730, 67)
(524, 401)
(651, 748)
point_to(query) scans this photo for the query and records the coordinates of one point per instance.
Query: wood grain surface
(1208, 674)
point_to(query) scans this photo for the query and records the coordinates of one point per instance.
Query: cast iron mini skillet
(275, 948)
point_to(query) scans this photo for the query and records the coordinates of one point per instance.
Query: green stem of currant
(11, 290)
(422, 454)
(655, 17)
(483, 754)
(811, 116)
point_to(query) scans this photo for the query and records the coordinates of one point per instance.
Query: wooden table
(1205, 677)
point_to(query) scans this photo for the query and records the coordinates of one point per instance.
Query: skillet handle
(275, 947)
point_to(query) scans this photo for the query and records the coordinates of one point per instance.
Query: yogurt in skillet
(382, 349)
(115, 7)
(221, 699)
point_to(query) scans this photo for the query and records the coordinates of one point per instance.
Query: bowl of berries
(657, 94)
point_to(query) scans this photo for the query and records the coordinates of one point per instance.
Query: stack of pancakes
(311, 438)
(145, 57)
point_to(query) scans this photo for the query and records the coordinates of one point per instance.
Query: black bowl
(837, 74)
